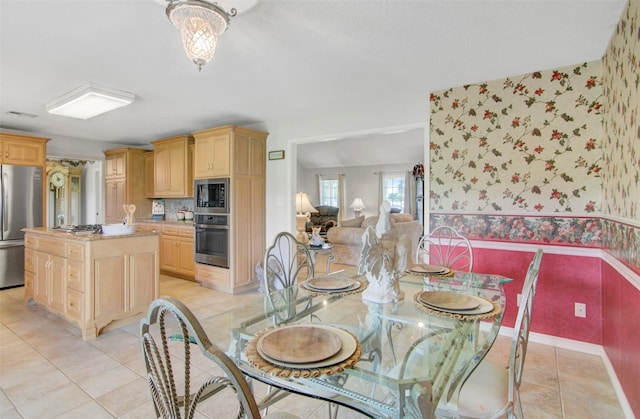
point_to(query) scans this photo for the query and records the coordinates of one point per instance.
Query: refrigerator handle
(3, 202)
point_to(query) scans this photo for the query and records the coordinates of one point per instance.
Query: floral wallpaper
(563, 141)
(530, 143)
(621, 124)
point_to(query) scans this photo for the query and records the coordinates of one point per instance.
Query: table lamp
(357, 206)
(303, 208)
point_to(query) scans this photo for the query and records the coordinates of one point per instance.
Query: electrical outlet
(518, 298)
(581, 310)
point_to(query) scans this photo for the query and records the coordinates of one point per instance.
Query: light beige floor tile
(107, 381)
(540, 401)
(55, 403)
(86, 368)
(5, 403)
(143, 411)
(126, 398)
(11, 414)
(88, 410)
(37, 387)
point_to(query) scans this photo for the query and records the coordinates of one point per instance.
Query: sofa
(325, 218)
(346, 239)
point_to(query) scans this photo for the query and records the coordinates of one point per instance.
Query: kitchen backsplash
(172, 206)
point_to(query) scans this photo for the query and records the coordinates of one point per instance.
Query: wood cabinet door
(142, 289)
(187, 263)
(41, 278)
(115, 165)
(58, 280)
(177, 175)
(161, 162)
(169, 253)
(212, 156)
(109, 287)
(115, 196)
(202, 163)
(22, 153)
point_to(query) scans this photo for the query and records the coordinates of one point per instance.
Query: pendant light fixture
(200, 23)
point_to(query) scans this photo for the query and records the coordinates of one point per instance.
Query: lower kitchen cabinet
(92, 280)
(176, 247)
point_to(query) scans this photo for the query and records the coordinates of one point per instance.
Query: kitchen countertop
(172, 222)
(85, 237)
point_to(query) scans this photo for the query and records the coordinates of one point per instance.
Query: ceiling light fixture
(88, 101)
(200, 24)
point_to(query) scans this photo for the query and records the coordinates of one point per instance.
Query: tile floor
(48, 371)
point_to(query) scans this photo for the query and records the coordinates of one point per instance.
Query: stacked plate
(306, 346)
(454, 302)
(426, 269)
(331, 284)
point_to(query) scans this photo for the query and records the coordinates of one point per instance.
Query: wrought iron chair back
(172, 355)
(445, 247)
(284, 261)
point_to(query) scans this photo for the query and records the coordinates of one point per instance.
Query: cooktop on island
(81, 229)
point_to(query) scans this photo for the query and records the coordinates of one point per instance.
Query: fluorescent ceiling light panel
(88, 101)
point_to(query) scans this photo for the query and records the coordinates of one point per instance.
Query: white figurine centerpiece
(383, 259)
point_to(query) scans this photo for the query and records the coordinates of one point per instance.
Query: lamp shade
(302, 203)
(357, 204)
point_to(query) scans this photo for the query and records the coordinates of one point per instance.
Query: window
(329, 187)
(392, 189)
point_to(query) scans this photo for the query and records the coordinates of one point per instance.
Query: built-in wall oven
(211, 196)
(212, 239)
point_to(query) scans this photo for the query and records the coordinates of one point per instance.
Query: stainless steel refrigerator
(20, 207)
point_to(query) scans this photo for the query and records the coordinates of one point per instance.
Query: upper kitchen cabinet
(22, 150)
(173, 167)
(125, 183)
(229, 150)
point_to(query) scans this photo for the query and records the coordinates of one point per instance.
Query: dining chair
(165, 359)
(446, 247)
(493, 390)
(285, 260)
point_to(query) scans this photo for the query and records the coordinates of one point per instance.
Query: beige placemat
(361, 288)
(496, 310)
(258, 361)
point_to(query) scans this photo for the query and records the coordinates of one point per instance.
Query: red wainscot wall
(564, 280)
(621, 336)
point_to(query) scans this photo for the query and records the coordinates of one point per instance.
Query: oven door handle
(212, 227)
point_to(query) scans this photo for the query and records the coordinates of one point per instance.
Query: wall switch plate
(581, 310)
(518, 298)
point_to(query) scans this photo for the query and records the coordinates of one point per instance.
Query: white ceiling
(298, 68)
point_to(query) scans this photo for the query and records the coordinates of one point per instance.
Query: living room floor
(48, 371)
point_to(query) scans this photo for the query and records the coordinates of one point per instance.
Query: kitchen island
(91, 280)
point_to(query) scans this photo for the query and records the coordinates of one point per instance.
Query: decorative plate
(453, 302)
(329, 283)
(348, 345)
(298, 344)
(426, 269)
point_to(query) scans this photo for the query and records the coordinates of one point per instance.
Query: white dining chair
(178, 332)
(493, 390)
(444, 246)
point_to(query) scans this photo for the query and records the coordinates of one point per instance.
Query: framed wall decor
(276, 155)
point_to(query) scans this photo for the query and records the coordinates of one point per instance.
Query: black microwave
(211, 196)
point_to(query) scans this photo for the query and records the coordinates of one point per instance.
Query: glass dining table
(411, 359)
